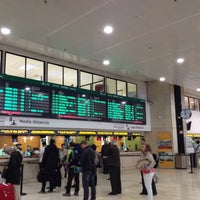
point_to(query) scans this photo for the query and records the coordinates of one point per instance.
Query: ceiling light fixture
(108, 29)
(162, 79)
(5, 30)
(198, 89)
(106, 62)
(180, 60)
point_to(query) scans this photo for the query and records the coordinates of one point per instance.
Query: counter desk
(129, 159)
(30, 168)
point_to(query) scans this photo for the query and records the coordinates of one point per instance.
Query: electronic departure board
(23, 99)
(37, 99)
(71, 104)
(126, 110)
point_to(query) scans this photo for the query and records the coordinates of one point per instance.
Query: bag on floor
(7, 192)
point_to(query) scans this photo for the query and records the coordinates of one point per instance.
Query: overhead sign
(13, 131)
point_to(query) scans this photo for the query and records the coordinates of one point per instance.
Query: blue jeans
(88, 180)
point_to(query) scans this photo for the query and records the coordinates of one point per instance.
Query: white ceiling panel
(148, 34)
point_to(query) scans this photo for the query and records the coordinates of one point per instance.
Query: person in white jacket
(148, 170)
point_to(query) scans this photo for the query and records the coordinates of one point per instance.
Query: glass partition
(111, 85)
(121, 88)
(35, 69)
(15, 65)
(70, 77)
(55, 74)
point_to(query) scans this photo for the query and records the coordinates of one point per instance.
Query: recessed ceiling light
(5, 30)
(180, 60)
(106, 62)
(198, 89)
(108, 29)
(162, 79)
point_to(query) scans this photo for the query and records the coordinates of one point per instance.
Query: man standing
(88, 171)
(72, 162)
(113, 157)
(50, 163)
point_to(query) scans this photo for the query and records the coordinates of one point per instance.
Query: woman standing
(13, 169)
(148, 169)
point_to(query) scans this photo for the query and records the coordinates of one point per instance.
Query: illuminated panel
(21, 99)
(87, 133)
(42, 132)
(64, 132)
(75, 104)
(127, 110)
(14, 131)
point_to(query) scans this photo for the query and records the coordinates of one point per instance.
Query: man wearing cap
(88, 171)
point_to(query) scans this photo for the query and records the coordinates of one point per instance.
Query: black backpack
(155, 157)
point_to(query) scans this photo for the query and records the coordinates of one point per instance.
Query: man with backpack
(73, 161)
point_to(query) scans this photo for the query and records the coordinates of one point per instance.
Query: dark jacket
(88, 160)
(13, 170)
(50, 158)
(113, 156)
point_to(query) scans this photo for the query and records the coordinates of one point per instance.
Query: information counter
(30, 168)
(31, 165)
(129, 159)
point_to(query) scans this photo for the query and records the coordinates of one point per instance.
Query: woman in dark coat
(13, 169)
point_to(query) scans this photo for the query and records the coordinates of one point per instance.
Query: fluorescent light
(108, 29)
(162, 79)
(5, 30)
(180, 60)
(106, 62)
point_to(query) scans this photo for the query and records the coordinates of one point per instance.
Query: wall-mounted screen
(22, 97)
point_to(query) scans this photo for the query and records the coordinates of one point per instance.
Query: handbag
(142, 164)
(4, 173)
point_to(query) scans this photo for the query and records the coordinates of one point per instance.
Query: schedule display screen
(126, 110)
(37, 99)
(71, 104)
(20, 99)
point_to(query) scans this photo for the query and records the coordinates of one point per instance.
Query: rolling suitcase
(7, 192)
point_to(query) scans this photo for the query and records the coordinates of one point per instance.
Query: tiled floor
(174, 184)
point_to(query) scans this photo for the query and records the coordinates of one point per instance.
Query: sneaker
(66, 194)
(75, 193)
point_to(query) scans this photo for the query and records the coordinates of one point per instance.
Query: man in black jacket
(50, 163)
(113, 157)
(88, 171)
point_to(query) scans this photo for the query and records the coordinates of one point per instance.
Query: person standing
(144, 190)
(104, 150)
(113, 157)
(148, 170)
(63, 156)
(73, 160)
(88, 171)
(13, 171)
(44, 144)
(50, 163)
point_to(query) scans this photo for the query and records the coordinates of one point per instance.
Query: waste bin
(180, 161)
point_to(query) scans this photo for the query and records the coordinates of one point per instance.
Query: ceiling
(148, 37)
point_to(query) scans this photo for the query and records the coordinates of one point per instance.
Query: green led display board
(22, 97)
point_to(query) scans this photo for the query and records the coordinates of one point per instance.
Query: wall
(160, 96)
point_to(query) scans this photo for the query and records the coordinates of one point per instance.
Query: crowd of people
(81, 158)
